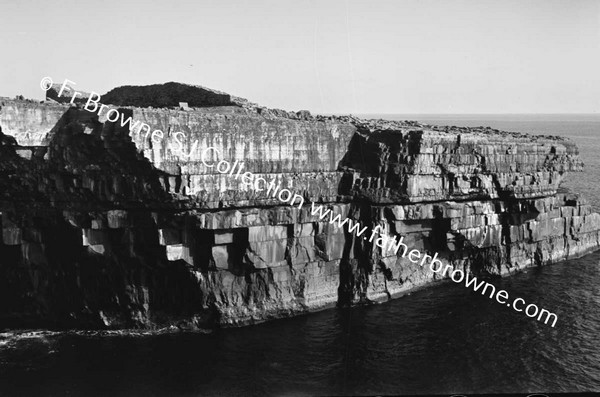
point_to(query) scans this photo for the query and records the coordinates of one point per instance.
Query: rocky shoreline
(100, 231)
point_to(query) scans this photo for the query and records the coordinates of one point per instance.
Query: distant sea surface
(444, 339)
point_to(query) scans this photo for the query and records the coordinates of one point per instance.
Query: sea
(441, 340)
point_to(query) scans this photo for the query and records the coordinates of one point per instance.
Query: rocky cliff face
(101, 229)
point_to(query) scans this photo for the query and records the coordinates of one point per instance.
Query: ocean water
(444, 339)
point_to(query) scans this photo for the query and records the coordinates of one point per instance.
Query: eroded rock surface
(106, 229)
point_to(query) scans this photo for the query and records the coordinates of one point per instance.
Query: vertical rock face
(107, 228)
(487, 202)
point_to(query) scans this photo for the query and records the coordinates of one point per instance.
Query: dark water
(442, 340)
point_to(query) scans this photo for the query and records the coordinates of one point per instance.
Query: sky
(338, 56)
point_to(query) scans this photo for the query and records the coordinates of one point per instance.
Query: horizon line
(471, 114)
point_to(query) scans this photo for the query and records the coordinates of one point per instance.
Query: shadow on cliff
(361, 165)
(85, 251)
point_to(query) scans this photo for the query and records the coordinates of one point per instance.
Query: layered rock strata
(100, 228)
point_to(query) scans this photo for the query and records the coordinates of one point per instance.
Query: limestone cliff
(100, 229)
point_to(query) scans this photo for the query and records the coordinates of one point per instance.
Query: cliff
(106, 229)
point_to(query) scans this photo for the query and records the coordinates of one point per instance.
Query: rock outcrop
(106, 229)
(167, 95)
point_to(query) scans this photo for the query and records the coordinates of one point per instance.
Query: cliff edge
(104, 228)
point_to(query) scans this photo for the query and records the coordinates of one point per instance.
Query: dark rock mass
(167, 95)
(106, 229)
